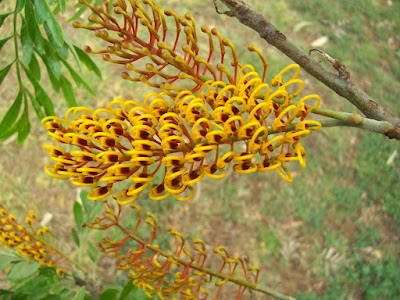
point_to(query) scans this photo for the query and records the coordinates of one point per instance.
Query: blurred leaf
(91, 257)
(77, 78)
(42, 11)
(109, 294)
(87, 204)
(5, 261)
(87, 61)
(78, 13)
(78, 215)
(301, 25)
(20, 5)
(128, 288)
(61, 3)
(11, 115)
(3, 17)
(32, 285)
(5, 292)
(63, 52)
(22, 270)
(3, 41)
(3, 72)
(75, 236)
(71, 47)
(80, 295)
(24, 126)
(33, 27)
(26, 44)
(36, 105)
(35, 68)
(68, 91)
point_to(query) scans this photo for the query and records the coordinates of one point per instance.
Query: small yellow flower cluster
(28, 243)
(164, 273)
(184, 137)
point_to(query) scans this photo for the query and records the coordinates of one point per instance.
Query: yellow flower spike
(294, 136)
(242, 157)
(168, 129)
(84, 181)
(268, 165)
(105, 139)
(192, 177)
(83, 156)
(199, 134)
(227, 91)
(89, 171)
(216, 136)
(292, 82)
(156, 192)
(231, 122)
(278, 78)
(195, 156)
(247, 131)
(70, 172)
(278, 125)
(268, 147)
(60, 272)
(53, 150)
(174, 186)
(99, 193)
(173, 161)
(55, 175)
(137, 188)
(279, 94)
(304, 125)
(221, 114)
(245, 168)
(59, 137)
(223, 161)
(142, 177)
(257, 93)
(120, 170)
(78, 139)
(174, 173)
(300, 154)
(257, 139)
(287, 177)
(171, 143)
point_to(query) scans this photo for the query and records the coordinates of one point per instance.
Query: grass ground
(333, 232)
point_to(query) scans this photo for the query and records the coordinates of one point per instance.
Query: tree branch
(338, 83)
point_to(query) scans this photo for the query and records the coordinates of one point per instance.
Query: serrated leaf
(26, 44)
(68, 91)
(3, 41)
(3, 17)
(42, 11)
(75, 236)
(4, 72)
(35, 68)
(80, 295)
(20, 5)
(11, 115)
(87, 61)
(109, 294)
(5, 261)
(61, 3)
(33, 27)
(78, 215)
(128, 288)
(24, 126)
(22, 270)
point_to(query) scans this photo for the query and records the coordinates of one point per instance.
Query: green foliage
(38, 41)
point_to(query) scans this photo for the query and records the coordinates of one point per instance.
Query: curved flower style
(28, 242)
(181, 272)
(183, 138)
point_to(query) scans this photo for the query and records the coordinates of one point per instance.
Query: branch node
(336, 64)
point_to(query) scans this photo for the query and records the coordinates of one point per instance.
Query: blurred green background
(331, 234)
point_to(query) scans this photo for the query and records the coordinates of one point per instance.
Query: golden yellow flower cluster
(28, 242)
(183, 138)
(183, 272)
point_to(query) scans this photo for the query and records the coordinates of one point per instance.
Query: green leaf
(53, 63)
(86, 203)
(36, 105)
(87, 61)
(3, 72)
(20, 5)
(78, 13)
(11, 115)
(42, 12)
(68, 91)
(22, 270)
(32, 285)
(77, 78)
(109, 294)
(128, 288)
(75, 236)
(5, 261)
(3, 17)
(26, 43)
(78, 215)
(80, 295)
(35, 68)
(3, 41)
(56, 32)
(61, 3)
(24, 126)
(5, 292)
(33, 27)
(91, 256)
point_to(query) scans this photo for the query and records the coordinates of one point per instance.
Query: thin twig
(341, 85)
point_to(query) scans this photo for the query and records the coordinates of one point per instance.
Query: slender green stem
(211, 272)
